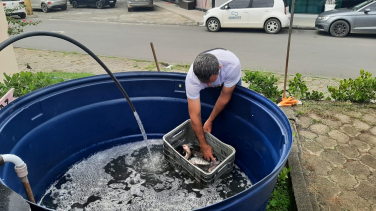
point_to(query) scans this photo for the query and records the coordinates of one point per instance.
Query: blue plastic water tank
(54, 127)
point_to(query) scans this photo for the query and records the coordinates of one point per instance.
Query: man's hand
(207, 152)
(208, 126)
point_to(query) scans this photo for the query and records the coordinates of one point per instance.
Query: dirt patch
(48, 61)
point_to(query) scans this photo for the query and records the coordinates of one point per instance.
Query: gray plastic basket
(184, 134)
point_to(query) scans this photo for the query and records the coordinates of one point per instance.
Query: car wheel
(75, 4)
(272, 26)
(129, 9)
(213, 25)
(23, 15)
(64, 7)
(339, 29)
(45, 8)
(99, 4)
(112, 5)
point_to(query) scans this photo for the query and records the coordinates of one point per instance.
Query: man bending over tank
(213, 68)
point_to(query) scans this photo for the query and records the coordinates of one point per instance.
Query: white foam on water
(97, 184)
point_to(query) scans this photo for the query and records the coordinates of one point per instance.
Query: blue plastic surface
(57, 126)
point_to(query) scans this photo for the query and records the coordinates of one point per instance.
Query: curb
(303, 200)
(299, 185)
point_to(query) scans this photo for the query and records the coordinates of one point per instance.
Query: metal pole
(155, 56)
(288, 47)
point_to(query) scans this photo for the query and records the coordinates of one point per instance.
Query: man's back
(229, 74)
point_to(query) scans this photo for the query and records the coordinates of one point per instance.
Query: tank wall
(55, 127)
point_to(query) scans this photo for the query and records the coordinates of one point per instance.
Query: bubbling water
(123, 178)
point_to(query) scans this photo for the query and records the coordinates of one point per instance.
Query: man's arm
(194, 108)
(221, 103)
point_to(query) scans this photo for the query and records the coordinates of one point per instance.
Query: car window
(372, 7)
(239, 4)
(262, 3)
(356, 7)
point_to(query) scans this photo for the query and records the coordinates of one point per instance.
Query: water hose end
(21, 171)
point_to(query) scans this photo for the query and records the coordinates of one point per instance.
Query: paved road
(312, 53)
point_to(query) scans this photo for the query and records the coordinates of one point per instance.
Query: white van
(13, 4)
(47, 5)
(272, 15)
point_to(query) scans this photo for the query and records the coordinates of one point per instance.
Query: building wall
(8, 63)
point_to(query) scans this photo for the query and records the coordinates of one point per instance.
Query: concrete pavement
(333, 157)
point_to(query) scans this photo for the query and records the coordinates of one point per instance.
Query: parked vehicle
(140, 3)
(13, 4)
(97, 3)
(47, 5)
(272, 15)
(340, 22)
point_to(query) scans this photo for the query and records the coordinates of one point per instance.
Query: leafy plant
(315, 95)
(263, 84)
(280, 197)
(360, 90)
(299, 89)
(15, 26)
(25, 82)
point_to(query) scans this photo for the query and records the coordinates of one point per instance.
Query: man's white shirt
(229, 74)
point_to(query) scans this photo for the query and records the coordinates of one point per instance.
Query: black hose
(52, 34)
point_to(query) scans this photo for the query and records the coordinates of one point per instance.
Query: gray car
(358, 19)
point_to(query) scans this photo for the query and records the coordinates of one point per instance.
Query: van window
(262, 3)
(239, 4)
(270, 3)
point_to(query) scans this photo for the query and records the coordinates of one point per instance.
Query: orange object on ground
(288, 101)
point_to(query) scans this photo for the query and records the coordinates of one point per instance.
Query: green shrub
(299, 89)
(280, 197)
(263, 84)
(315, 95)
(25, 82)
(360, 90)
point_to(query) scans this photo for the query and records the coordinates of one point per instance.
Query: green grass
(67, 75)
(140, 60)
(152, 67)
(74, 53)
